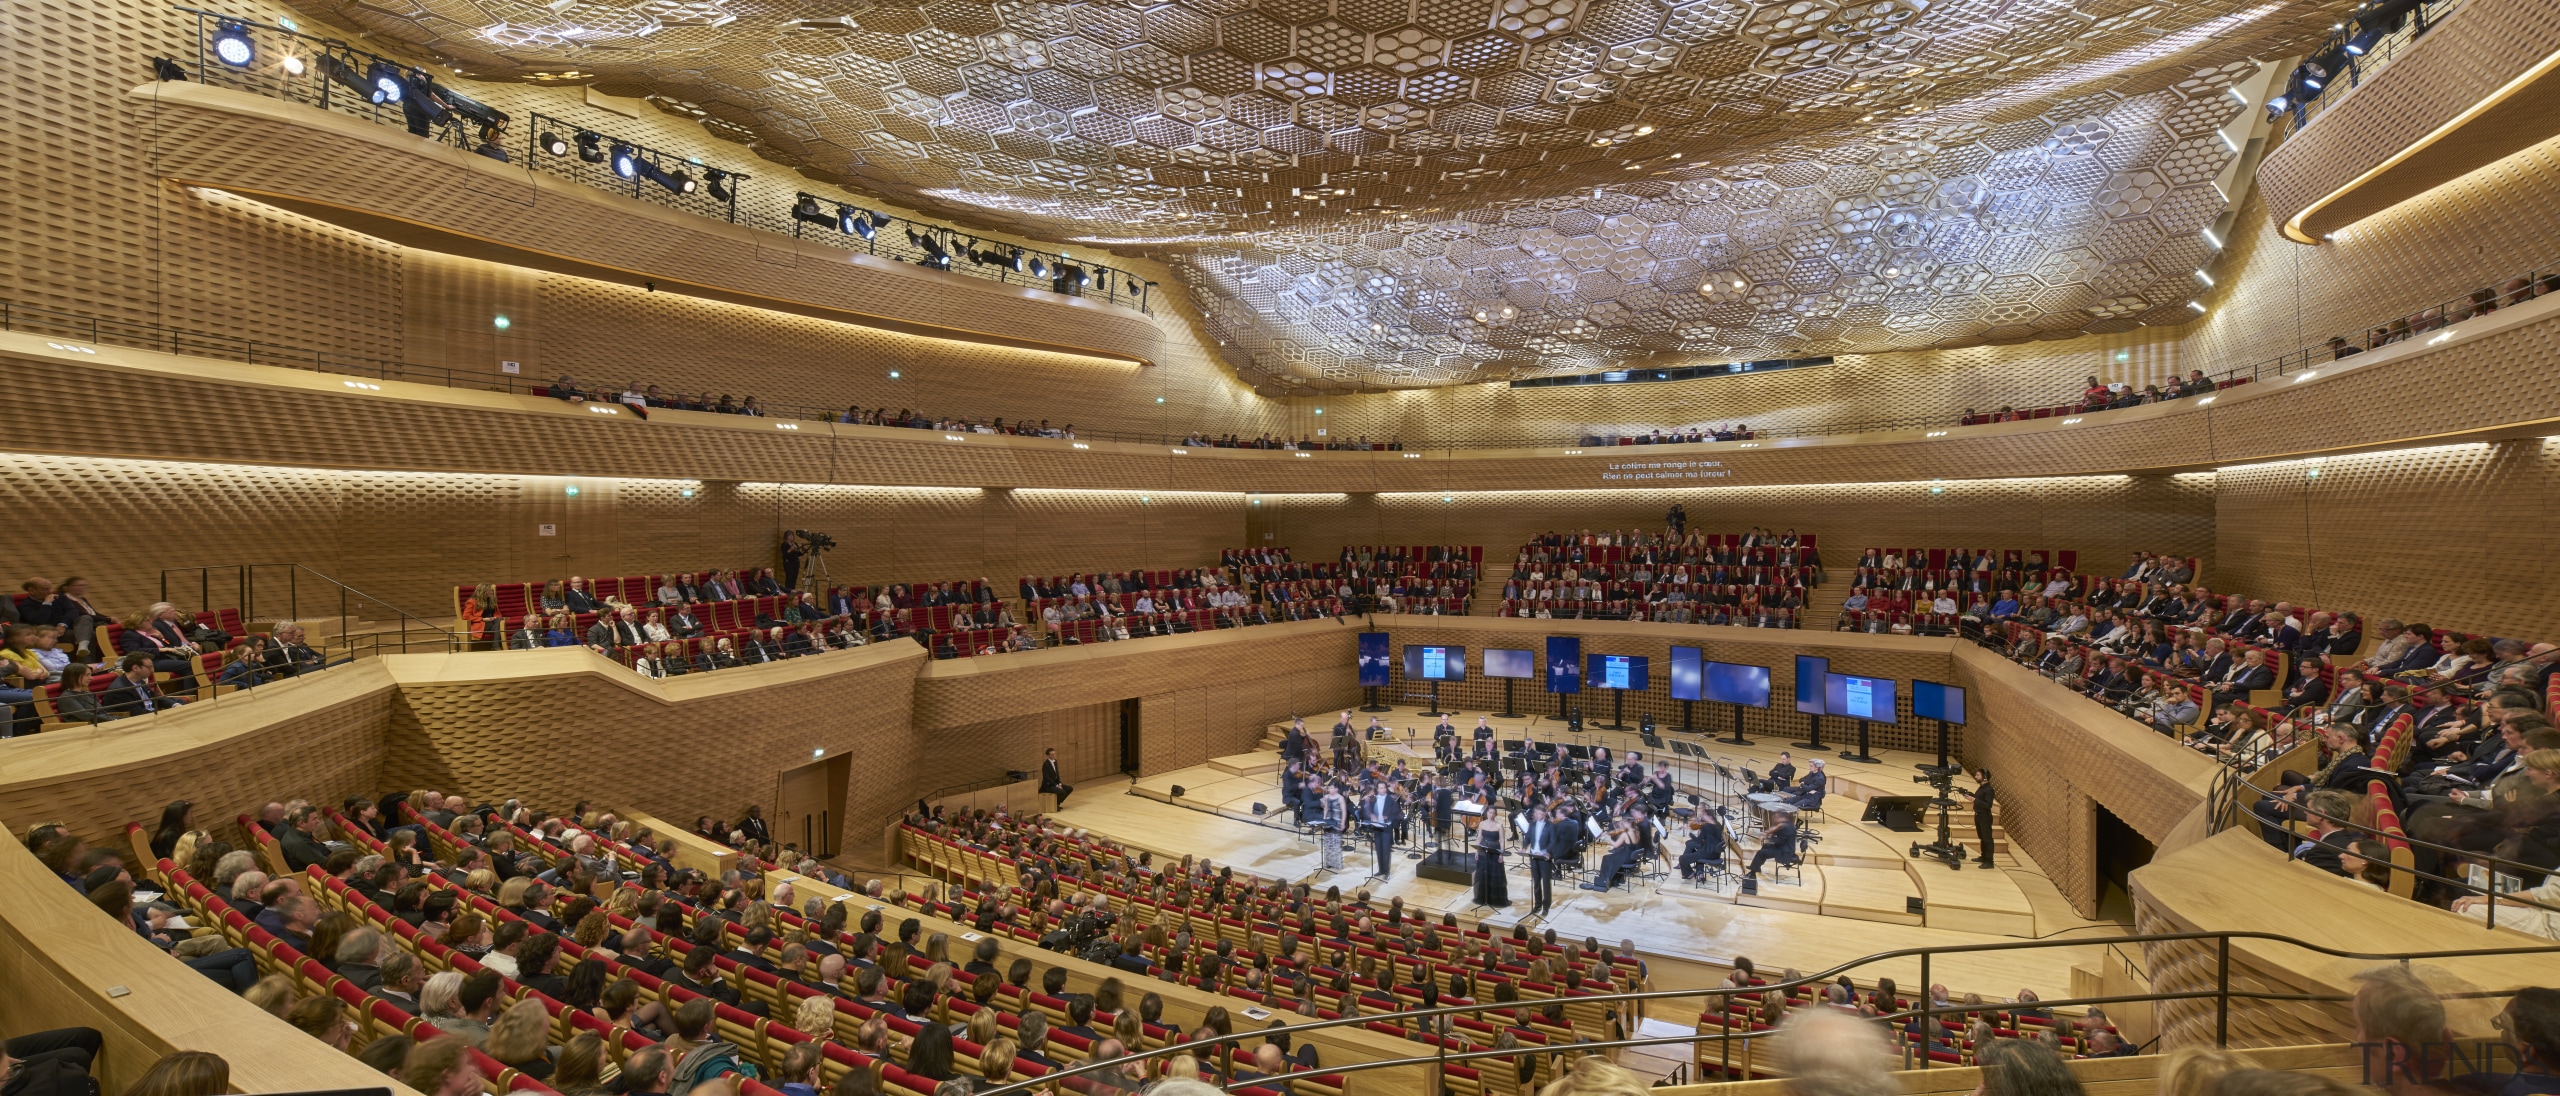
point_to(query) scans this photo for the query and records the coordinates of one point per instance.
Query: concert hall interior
(1294, 547)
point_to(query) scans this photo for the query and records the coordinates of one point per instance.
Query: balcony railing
(279, 61)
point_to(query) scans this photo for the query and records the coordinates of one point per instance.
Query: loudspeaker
(1177, 791)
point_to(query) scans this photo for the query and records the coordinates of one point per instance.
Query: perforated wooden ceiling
(1418, 192)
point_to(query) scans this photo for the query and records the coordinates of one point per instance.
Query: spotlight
(675, 181)
(626, 163)
(719, 183)
(590, 146)
(231, 44)
(383, 82)
(552, 144)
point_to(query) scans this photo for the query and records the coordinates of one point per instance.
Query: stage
(1860, 890)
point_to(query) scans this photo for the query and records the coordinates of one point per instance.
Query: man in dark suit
(1541, 844)
(1050, 782)
(302, 847)
(611, 633)
(1380, 812)
(750, 953)
(133, 692)
(2248, 675)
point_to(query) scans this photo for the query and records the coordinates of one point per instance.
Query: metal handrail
(2423, 19)
(350, 600)
(2223, 993)
(2227, 815)
(311, 86)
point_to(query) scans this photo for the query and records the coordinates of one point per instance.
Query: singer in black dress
(1493, 888)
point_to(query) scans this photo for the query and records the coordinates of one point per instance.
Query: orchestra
(1547, 806)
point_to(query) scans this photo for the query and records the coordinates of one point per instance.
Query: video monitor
(1430, 663)
(1810, 670)
(1931, 700)
(1373, 659)
(1625, 672)
(1564, 664)
(1505, 662)
(1867, 698)
(1687, 674)
(1736, 683)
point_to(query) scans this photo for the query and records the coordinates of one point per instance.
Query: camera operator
(797, 545)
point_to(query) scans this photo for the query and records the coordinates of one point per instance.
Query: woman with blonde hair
(521, 1039)
(995, 1063)
(274, 994)
(817, 1017)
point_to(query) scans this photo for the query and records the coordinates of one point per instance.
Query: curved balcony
(385, 183)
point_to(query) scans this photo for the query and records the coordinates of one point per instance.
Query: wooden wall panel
(2455, 536)
(561, 725)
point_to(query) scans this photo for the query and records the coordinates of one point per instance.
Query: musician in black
(1780, 776)
(1982, 814)
(1626, 839)
(1779, 844)
(1380, 811)
(1444, 801)
(1706, 845)
(1493, 888)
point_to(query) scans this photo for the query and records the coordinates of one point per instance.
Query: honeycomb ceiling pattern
(1400, 193)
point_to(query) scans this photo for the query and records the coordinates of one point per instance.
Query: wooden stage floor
(1855, 897)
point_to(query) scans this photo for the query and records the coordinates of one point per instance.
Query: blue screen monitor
(1428, 663)
(1625, 672)
(1810, 670)
(1373, 659)
(1867, 698)
(1735, 683)
(1688, 674)
(1515, 664)
(1564, 664)
(1930, 700)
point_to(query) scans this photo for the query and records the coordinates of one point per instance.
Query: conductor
(1543, 840)
(1380, 812)
(1049, 780)
(1982, 814)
